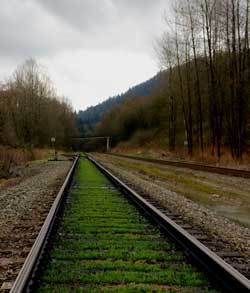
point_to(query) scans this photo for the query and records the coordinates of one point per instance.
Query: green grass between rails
(120, 289)
(105, 245)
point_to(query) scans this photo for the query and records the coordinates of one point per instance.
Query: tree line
(88, 119)
(31, 112)
(205, 97)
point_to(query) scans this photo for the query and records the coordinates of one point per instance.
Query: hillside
(178, 117)
(88, 119)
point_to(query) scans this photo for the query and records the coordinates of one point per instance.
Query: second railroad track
(193, 166)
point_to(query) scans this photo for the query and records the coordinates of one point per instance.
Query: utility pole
(108, 144)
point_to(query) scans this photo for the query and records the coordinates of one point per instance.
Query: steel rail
(22, 281)
(198, 167)
(220, 271)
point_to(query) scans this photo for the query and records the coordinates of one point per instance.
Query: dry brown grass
(10, 158)
(181, 154)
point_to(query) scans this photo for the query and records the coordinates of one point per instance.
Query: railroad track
(95, 217)
(193, 166)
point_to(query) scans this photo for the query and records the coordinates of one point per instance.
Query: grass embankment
(105, 245)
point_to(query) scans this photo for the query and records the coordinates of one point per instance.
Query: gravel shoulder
(226, 195)
(24, 207)
(200, 215)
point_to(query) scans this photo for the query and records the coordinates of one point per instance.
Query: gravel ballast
(24, 208)
(218, 227)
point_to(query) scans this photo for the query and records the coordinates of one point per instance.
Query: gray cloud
(120, 21)
(83, 15)
(90, 14)
(26, 30)
(44, 27)
(82, 42)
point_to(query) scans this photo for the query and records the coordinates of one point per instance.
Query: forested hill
(88, 119)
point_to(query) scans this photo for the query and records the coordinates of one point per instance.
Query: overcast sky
(92, 49)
